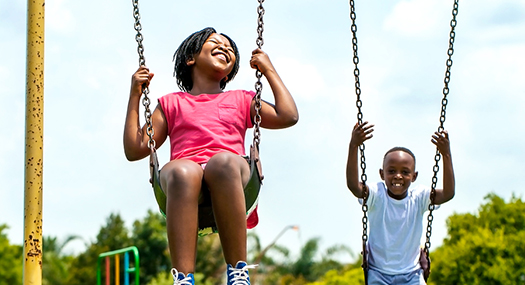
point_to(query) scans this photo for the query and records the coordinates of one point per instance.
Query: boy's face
(398, 173)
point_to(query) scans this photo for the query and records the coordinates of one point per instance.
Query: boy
(395, 210)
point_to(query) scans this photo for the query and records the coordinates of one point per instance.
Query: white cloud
(303, 80)
(415, 17)
(59, 17)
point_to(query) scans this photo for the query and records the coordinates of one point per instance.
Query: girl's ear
(190, 61)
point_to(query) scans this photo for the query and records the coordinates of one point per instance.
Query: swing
(424, 259)
(251, 190)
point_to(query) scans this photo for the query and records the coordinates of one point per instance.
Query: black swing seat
(207, 223)
(424, 262)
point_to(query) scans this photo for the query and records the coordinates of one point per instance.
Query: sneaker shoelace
(240, 276)
(185, 281)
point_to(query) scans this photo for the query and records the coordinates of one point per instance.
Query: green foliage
(352, 274)
(149, 236)
(56, 264)
(487, 248)
(267, 271)
(210, 260)
(307, 267)
(483, 248)
(162, 278)
(111, 237)
(10, 260)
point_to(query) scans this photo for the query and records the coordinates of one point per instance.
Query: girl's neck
(205, 85)
(198, 91)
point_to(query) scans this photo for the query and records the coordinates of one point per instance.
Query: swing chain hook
(442, 119)
(142, 62)
(258, 74)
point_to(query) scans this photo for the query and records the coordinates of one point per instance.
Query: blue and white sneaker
(238, 275)
(180, 279)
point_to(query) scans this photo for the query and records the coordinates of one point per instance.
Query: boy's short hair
(191, 46)
(403, 149)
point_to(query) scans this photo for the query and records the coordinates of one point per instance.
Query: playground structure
(127, 269)
(34, 136)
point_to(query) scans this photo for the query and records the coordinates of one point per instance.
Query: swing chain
(359, 104)
(258, 74)
(142, 62)
(442, 118)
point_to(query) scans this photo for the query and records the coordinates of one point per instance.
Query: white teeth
(222, 56)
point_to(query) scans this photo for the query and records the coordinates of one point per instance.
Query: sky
(90, 55)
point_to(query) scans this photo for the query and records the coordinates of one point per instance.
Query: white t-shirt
(395, 228)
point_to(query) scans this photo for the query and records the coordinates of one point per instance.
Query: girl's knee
(180, 174)
(222, 164)
(223, 159)
(226, 169)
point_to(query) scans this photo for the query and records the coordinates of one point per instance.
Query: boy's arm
(136, 137)
(442, 142)
(360, 134)
(284, 113)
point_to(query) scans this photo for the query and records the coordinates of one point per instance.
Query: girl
(206, 126)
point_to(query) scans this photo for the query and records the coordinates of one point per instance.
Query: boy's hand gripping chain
(359, 104)
(437, 157)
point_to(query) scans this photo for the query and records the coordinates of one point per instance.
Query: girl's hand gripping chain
(284, 113)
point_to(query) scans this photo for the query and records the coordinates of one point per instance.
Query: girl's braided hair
(190, 47)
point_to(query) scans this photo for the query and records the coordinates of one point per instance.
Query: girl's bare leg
(225, 175)
(181, 180)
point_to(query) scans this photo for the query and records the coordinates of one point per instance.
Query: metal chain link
(142, 62)
(442, 119)
(258, 74)
(359, 104)
(145, 91)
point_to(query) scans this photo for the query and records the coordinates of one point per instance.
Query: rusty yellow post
(34, 143)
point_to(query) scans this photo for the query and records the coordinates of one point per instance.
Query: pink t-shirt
(201, 126)
(204, 125)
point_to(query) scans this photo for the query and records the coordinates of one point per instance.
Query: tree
(10, 260)
(56, 264)
(487, 248)
(306, 268)
(149, 236)
(111, 237)
(210, 259)
(265, 271)
(352, 274)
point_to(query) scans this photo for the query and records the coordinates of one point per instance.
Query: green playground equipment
(127, 268)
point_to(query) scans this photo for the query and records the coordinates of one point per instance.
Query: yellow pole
(117, 269)
(34, 143)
